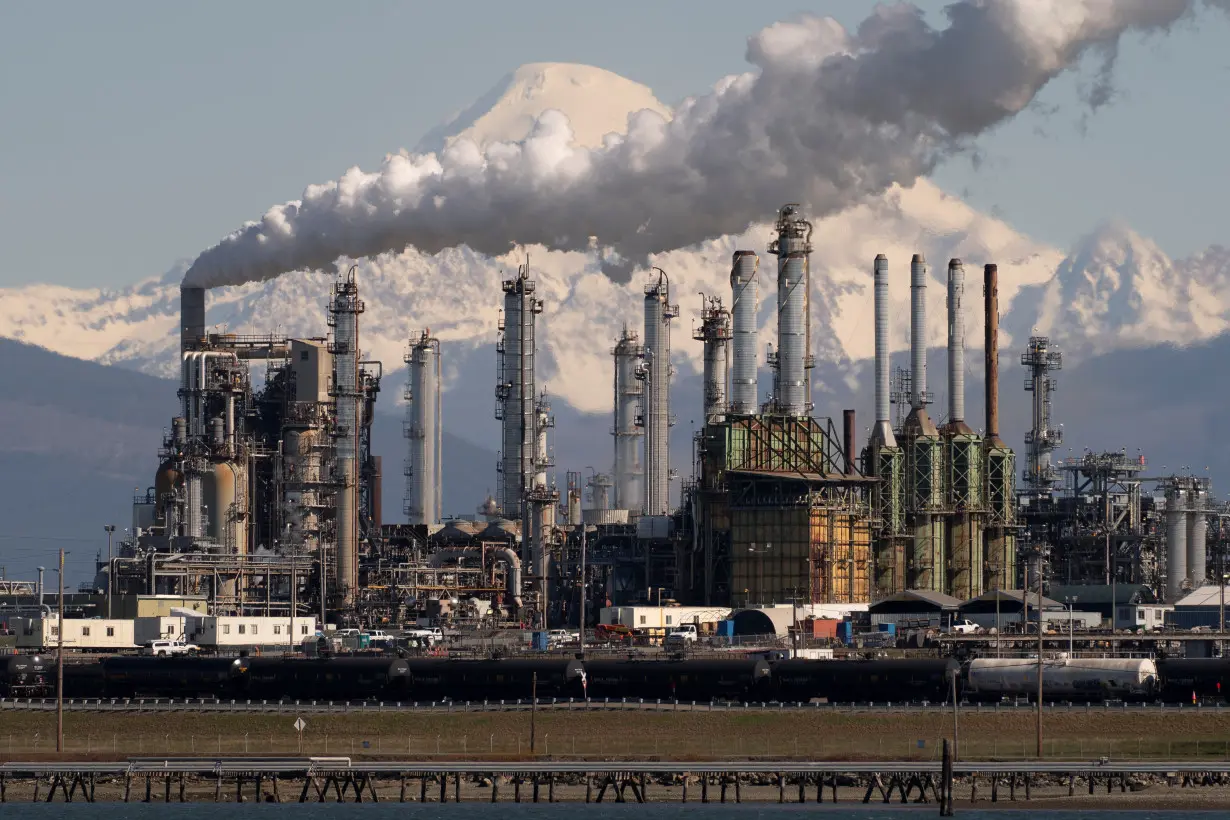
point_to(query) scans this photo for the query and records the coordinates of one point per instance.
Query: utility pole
(581, 629)
(533, 708)
(956, 729)
(60, 666)
(110, 528)
(1039, 571)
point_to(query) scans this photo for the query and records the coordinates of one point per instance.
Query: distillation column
(543, 500)
(655, 372)
(423, 431)
(1041, 358)
(344, 316)
(964, 457)
(924, 456)
(714, 332)
(1176, 541)
(743, 286)
(1197, 531)
(515, 392)
(884, 457)
(794, 360)
(629, 471)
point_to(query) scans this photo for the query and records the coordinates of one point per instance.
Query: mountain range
(88, 368)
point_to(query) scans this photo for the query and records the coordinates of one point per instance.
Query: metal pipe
(956, 341)
(743, 287)
(990, 295)
(850, 433)
(508, 554)
(918, 331)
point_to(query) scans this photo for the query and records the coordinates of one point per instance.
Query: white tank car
(1062, 678)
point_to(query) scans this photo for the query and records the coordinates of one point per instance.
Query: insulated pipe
(918, 331)
(743, 287)
(509, 555)
(990, 295)
(956, 341)
(882, 433)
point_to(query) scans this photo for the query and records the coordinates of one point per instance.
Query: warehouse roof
(1104, 593)
(916, 600)
(1010, 598)
(1203, 596)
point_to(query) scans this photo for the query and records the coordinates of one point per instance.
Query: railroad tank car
(735, 679)
(82, 680)
(358, 678)
(173, 677)
(1183, 679)
(861, 681)
(1084, 679)
(512, 679)
(27, 676)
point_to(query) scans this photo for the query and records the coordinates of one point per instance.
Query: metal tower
(422, 430)
(514, 391)
(1041, 358)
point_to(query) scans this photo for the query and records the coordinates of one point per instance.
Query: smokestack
(882, 433)
(191, 316)
(990, 293)
(743, 313)
(918, 331)
(850, 432)
(956, 342)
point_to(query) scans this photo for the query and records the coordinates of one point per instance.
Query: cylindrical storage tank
(605, 516)
(574, 509)
(224, 496)
(179, 428)
(743, 287)
(1176, 543)
(217, 432)
(1197, 535)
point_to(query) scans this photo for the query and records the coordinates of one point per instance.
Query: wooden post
(685, 788)
(403, 788)
(704, 788)
(551, 788)
(589, 786)
(781, 788)
(738, 791)
(495, 788)
(443, 788)
(456, 787)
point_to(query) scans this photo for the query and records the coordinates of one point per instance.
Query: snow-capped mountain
(1114, 290)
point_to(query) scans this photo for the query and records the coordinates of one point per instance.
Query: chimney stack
(956, 342)
(191, 317)
(990, 292)
(918, 331)
(850, 433)
(882, 432)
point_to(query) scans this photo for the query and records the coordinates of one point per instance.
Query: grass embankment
(681, 736)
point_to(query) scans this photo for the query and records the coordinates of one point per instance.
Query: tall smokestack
(794, 359)
(918, 331)
(882, 433)
(956, 342)
(850, 433)
(191, 316)
(743, 389)
(990, 294)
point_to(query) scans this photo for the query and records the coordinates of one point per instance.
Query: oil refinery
(267, 497)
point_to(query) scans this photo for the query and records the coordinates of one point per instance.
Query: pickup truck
(432, 634)
(167, 648)
(682, 636)
(966, 627)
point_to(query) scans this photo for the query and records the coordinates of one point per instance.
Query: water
(556, 811)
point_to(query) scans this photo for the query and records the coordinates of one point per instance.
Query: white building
(80, 634)
(662, 617)
(241, 631)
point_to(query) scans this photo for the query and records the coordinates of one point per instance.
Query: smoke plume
(828, 118)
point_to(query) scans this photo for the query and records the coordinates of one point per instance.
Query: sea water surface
(556, 811)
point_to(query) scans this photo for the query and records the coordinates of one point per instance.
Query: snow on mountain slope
(1115, 289)
(596, 101)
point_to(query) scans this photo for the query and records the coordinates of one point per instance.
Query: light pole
(110, 528)
(60, 665)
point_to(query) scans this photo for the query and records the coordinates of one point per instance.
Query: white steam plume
(830, 118)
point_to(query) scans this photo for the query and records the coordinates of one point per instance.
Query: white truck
(965, 627)
(683, 635)
(166, 648)
(431, 634)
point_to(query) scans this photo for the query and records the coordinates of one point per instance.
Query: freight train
(700, 680)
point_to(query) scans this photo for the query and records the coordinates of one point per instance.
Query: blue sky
(133, 134)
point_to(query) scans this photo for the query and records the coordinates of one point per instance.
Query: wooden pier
(340, 779)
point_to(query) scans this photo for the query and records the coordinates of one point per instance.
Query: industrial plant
(267, 498)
